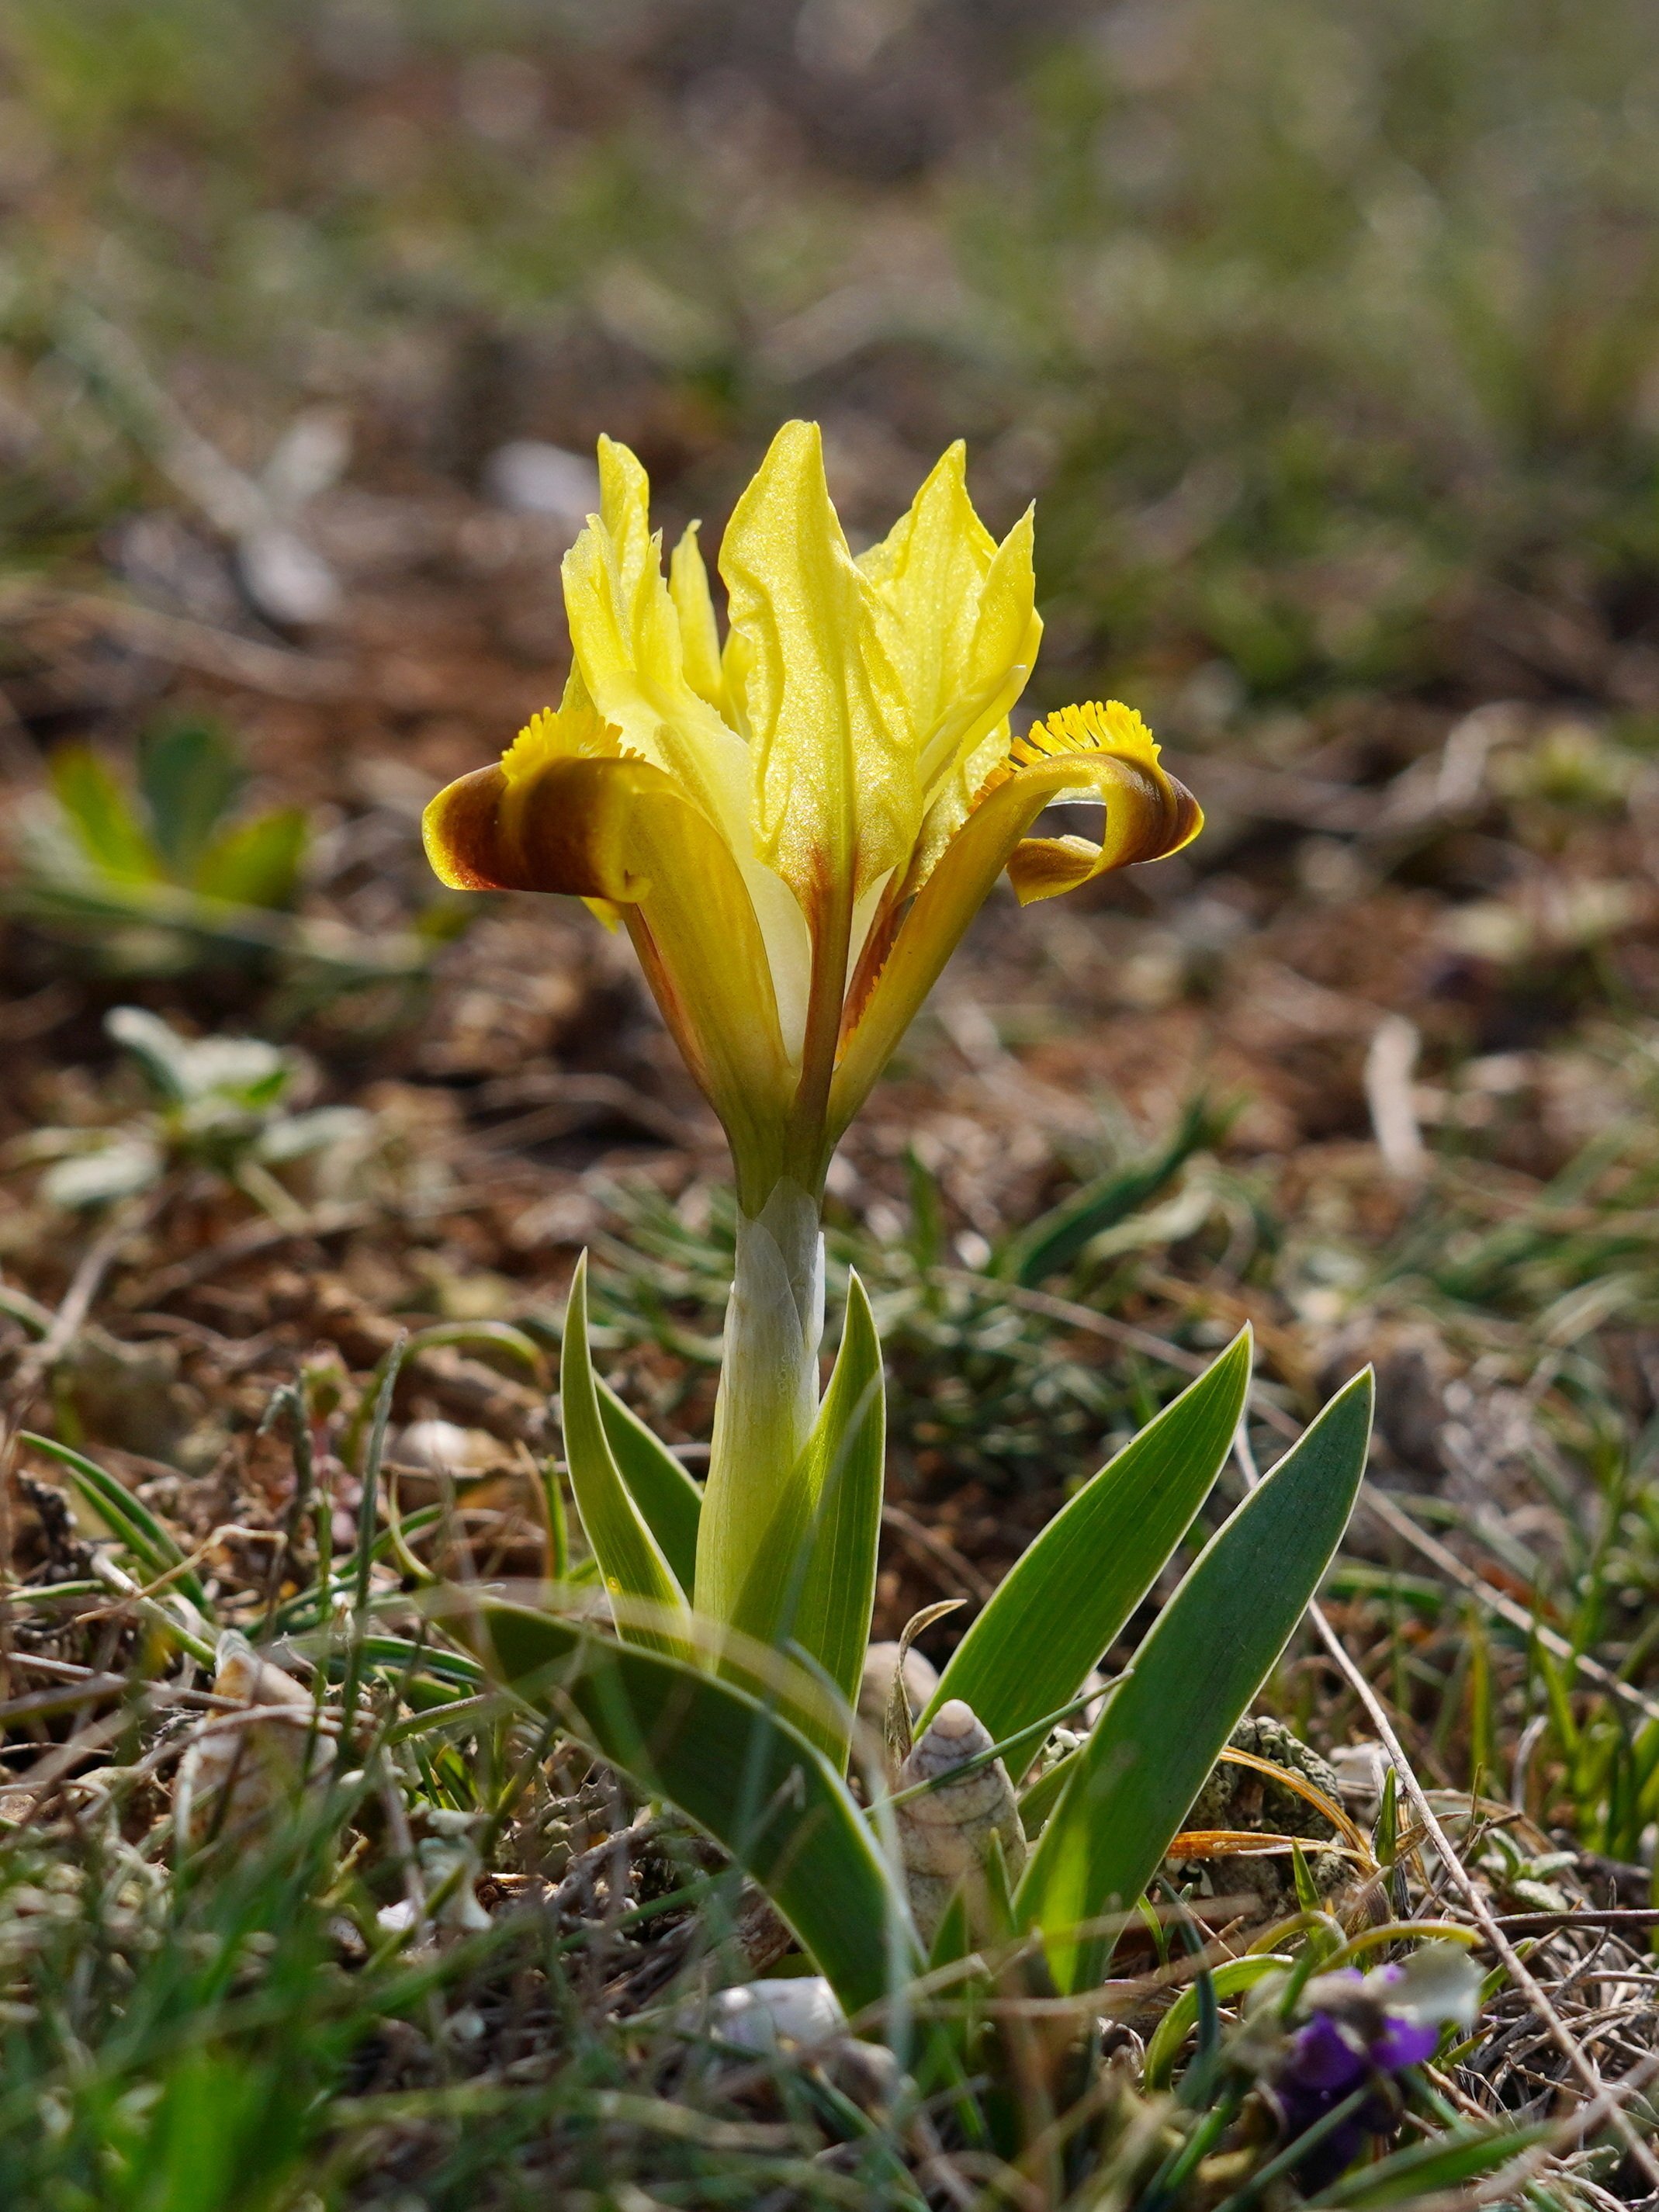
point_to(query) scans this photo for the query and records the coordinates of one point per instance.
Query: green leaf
(630, 1558)
(184, 1069)
(843, 1463)
(1039, 1799)
(125, 1515)
(189, 776)
(257, 862)
(1227, 1980)
(1056, 1238)
(1423, 2169)
(665, 1493)
(101, 816)
(737, 1769)
(487, 1336)
(814, 1584)
(1203, 1661)
(1071, 1591)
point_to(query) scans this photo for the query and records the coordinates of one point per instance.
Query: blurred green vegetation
(1328, 334)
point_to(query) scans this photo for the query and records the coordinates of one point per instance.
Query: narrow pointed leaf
(256, 863)
(1071, 1591)
(125, 1515)
(1422, 2171)
(668, 1498)
(1053, 1240)
(813, 1583)
(737, 1769)
(630, 1558)
(848, 1454)
(1228, 1980)
(1193, 1678)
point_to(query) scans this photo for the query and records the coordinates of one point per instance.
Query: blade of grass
(125, 1515)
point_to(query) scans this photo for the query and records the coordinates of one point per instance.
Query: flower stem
(768, 1390)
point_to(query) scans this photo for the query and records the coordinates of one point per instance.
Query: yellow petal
(688, 587)
(964, 639)
(928, 569)
(625, 511)
(1104, 753)
(622, 831)
(630, 646)
(625, 630)
(835, 800)
(1069, 749)
(972, 735)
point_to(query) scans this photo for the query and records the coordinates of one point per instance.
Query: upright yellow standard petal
(700, 640)
(965, 633)
(630, 638)
(835, 795)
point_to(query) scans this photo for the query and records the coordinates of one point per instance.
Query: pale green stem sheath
(769, 1390)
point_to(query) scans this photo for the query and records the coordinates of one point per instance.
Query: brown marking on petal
(1189, 816)
(564, 827)
(461, 828)
(885, 925)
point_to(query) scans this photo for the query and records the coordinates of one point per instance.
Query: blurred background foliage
(1327, 333)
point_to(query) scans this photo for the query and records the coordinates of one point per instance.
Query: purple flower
(1359, 2030)
(1323, 2060)
(1404, 2042)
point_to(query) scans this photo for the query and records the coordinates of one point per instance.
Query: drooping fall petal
(622, 831)
(1085, 738)
(1105, 753)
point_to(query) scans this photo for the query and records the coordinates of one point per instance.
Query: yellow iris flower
(797, 827)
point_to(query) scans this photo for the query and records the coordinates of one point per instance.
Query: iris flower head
(797, 823)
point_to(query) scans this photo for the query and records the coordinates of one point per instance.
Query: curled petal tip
(461, 831)
(1185, 820)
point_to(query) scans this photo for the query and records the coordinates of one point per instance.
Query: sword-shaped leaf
(737, 1769)
(1193, 1678)
(814, 1584)
(1072, 1589)
(669, 1500)
(631, 1560)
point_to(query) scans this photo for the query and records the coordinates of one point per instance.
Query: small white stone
(529, 476)
(287, 580)
(762, 2015)
(446, 1448)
